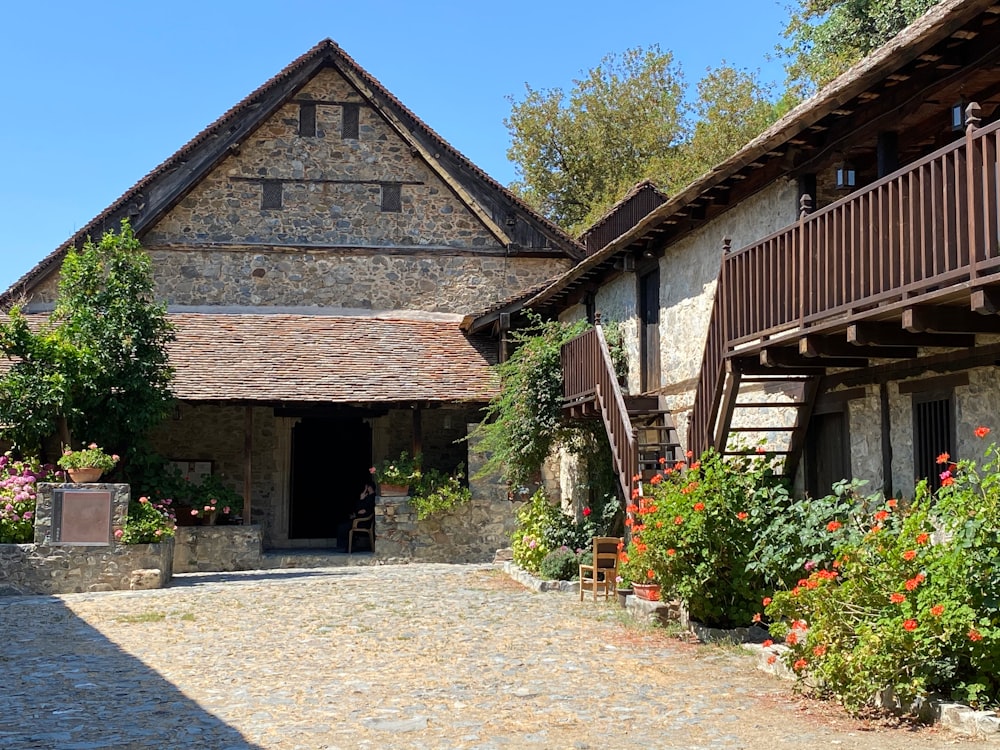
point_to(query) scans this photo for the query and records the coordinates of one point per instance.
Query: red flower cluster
(912, 584)
(910, 624)
(923, 538)
(975, 635)
(896, 598)
(937, 610)
(909, 554)
(833, 525)
(699, 507)
(982, 432)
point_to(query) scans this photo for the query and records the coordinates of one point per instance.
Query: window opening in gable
(349, 121)
(270, 194)
(392, 196)
(933, 434)
(307, 119)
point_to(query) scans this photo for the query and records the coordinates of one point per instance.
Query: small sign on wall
(81, 517)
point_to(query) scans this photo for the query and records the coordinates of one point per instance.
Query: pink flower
(371, 470)
(115, 457)
(92, 446)
(194, 512)
(119, 533)
(209, 508)
(226, 510)
(158, 532)
(143, 500)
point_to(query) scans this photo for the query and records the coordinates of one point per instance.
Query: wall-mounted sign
(81, 517)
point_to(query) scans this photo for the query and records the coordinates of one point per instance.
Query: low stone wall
(200, 549)
(48, 569)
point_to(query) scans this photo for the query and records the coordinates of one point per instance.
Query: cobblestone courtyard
(409, 656)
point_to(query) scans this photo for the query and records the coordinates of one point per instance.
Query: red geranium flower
(699, 507)
(587, 511)
(937, 610)
(767, 600)
(799, 665)
(833, 525)
(943, 458)
(982, 432)
(768, 643)
(909, 554)
(742, 515)
(922, 538)
(910, 625)
(975, 635)
(896, 598)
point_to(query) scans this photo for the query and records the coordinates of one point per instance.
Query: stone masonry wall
(217, 548)
(47, 567)
(433, 281)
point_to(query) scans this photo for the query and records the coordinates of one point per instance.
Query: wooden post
(805, 208)
(247, 462)
(418, 436)
(974, 183)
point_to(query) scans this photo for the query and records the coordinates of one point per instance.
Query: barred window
(270, 194)
(349, 123)
(307, 119)
(392, 196)
(933, 434)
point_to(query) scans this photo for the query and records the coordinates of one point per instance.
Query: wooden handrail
(931, 224)
(588, 372)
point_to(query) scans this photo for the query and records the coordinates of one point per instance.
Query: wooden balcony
(915, 252)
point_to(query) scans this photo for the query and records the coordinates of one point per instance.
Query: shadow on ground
(65, 685)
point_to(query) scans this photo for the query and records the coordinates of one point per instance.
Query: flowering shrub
(211, 495)
(912, 602)
(543, 527)
(17, 498)
(148, 521)
(695, 527)
(401, 470)
(91, 457)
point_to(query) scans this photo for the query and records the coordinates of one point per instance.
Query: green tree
(98, 368)
(732, 108)
(576, 153)
(826, 37)
(626, 121)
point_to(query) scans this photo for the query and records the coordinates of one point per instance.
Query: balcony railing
(589, 378)
(931, 225)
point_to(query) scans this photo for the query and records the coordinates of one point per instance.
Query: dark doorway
(827, 452)
(330, 461)
(649, 333)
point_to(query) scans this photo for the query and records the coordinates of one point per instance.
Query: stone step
(288, 558)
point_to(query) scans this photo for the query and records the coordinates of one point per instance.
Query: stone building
(830, 290)
(318, 247)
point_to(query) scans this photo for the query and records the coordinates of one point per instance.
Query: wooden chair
(362, 526)
(602, 572)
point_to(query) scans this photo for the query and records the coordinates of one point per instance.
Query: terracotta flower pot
(648, 591)
(80, 476)
(394, 490)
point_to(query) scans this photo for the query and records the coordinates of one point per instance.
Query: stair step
(767, 404)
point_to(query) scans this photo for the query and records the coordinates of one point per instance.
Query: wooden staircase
(639, 428)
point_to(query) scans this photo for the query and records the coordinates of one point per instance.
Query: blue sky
(96, 94)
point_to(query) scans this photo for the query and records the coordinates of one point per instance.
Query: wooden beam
(921, 319)
(247, 463)
(986, 301)
(789, 357)
(887, 334)
(828, 346)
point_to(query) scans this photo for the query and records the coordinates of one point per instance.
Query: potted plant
(212, 501)
(87, 464)
(395, 475)
(636, 571)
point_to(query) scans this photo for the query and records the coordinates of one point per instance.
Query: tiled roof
(271, 357)
(333, 359)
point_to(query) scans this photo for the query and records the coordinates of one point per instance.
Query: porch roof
(382, 357)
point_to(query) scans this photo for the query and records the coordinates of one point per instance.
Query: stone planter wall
(199, 549)
(46, 567)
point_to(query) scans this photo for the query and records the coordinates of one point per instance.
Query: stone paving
(404, 656)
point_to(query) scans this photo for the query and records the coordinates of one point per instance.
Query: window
(392, 198)
(307, 119)
(349, 121)
(933, 434)
(270, 194)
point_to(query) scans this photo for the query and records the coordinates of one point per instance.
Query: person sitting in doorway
(364, 508)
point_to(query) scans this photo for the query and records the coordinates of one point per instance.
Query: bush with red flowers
(911, 604)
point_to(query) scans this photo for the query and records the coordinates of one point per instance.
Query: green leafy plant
(212, 495)
(402, 470)
(695, 528)
(148, 522)
(91, 457)
(561, 564)
(911, 604)
(438, 492)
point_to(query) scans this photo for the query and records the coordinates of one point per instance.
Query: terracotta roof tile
(268, 357)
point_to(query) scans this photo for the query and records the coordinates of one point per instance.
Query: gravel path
(406, 656)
